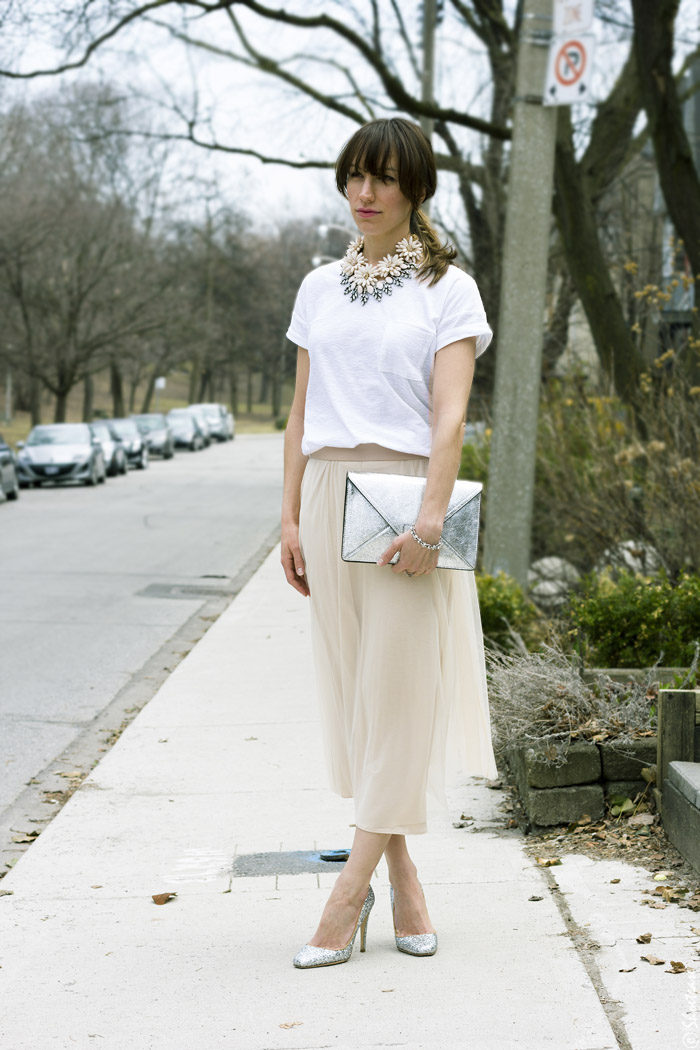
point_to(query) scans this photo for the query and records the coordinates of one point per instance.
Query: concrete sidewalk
(225, 762)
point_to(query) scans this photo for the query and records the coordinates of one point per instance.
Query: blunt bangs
(373, 147)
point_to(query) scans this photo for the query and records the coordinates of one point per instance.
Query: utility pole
(428, 72)
(521, 317)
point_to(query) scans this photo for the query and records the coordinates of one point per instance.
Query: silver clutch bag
(379, 507)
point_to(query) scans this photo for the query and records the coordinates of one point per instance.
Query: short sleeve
(463, 314)
(298, 330)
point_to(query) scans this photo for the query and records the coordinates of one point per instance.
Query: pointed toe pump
(310, 956)
(416, 943)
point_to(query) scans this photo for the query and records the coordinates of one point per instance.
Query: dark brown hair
(373, 147)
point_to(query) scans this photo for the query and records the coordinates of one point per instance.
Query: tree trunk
(150, 388)
(557, 333)
(59, 415)
(680, 184)
(588, 267)
(233, 389)
(205, 385)
(116, 384)
(35, 400)
(194, 380)
(88, 397)
(249, 391)
(264, 387)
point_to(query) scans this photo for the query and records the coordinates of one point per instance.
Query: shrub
(542, 696)
(504, 608)
(281, 422)
(635, 621)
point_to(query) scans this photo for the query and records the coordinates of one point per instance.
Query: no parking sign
(570, 53)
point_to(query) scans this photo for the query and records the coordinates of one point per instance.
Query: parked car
(219, 420)
(134, 442)
(112, 448)
(186, 429)
(159, 437)
(199, 415)
(60, 452)
(9, 482)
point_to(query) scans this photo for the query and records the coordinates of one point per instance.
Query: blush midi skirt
(399, 661)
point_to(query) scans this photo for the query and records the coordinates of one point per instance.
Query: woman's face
(378, 206)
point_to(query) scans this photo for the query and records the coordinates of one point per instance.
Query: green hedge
(630, 620)
(502, 602)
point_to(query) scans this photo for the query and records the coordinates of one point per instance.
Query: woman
(383, 379)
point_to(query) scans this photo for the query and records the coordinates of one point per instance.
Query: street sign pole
(521, 319)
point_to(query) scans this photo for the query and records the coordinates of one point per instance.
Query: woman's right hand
(292, 561)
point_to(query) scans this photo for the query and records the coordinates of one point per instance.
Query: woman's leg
(347, 896)
(410, 910)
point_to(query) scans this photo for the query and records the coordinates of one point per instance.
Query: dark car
(9, 482)
(199, 415)
(134, 442)
(186, 429)
(218, 419)
(112, 448)
(60, 452)
(159, 437)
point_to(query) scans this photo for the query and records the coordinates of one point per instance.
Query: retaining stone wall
(592, 772)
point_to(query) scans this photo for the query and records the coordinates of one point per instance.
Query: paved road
(92, 584)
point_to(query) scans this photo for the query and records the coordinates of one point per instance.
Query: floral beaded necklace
(363, 279)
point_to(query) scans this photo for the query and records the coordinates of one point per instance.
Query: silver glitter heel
(310, 955)
(416, 943)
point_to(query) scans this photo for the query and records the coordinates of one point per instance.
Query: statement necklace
(363, 279)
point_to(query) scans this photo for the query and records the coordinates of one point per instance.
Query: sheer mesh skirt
(399, 664)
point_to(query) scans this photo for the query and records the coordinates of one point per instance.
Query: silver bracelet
(428, 546)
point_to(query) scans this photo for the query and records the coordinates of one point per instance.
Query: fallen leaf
(97, 886)
(6, 893)
(584, 819)
(631, 968)
(676, 967)
(653, 960)
(644, 938)
(661, 875)
(535, 898)
(494, 784)
(640, 818)
(255, 738)
(695, 929)
(547, 862)
(614, 880)
(26, 836)
(161, 898)
(653, 904)
(387, 989)
(291, 1024)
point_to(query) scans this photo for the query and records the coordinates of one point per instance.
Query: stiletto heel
(416, 943)
(310, 956)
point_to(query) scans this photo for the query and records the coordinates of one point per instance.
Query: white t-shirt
(371, 365)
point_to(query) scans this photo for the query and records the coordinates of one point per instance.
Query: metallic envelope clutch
(379, 507)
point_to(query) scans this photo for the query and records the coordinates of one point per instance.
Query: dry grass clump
(542, 695)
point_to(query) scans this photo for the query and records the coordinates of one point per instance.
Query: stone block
(562, 805)
(624, 761)
(628, 788)
(582, 766)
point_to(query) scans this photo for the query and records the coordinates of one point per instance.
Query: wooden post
(675, 740)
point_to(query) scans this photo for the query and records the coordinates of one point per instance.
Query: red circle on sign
(570, 63)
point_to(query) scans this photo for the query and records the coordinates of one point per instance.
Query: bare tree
(380, 75)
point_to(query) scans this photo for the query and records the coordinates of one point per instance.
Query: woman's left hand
(414, 560)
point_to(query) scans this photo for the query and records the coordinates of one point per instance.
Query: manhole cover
(249, 865)
(185, 590)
